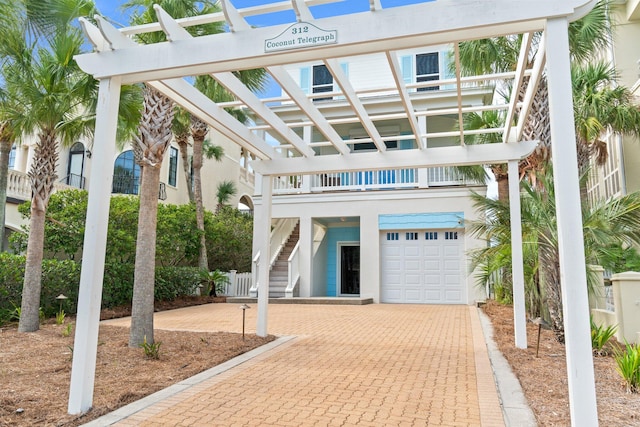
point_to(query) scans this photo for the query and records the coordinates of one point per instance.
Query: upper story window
(423, 67)
(427, 69)
(12, 157)
(322, 81)
(173, 166)
(126, 174)
(318, 79)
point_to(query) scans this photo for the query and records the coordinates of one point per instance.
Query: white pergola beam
(235, 21)
(175, 32)
(398, 159)
(532, 88)
(301, 10)
(300, 98)
(347, 89)
(523, 58)
(192, 100)
(392, 58)
(361, 33)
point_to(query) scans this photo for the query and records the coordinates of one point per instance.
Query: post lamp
(244, 308)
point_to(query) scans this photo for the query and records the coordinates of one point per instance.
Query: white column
(263, 224)
(517, 261)
(306, 255)
(582, 395)
(95, 242)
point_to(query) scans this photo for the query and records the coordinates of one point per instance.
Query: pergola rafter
(168, 66)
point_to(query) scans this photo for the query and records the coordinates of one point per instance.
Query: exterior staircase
(279, 275)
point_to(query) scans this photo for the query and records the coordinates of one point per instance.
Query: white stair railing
(293, 272)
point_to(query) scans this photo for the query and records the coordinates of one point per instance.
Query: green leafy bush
(173, 282)
(628, 361)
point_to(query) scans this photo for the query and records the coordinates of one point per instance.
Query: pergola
(118, 59)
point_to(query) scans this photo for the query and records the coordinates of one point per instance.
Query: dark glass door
(350, 270)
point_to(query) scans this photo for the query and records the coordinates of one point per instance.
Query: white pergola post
(582, 395)
(263, 223)
(95, 242)
(517, 261)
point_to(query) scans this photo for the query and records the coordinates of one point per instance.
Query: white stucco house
(391, 236)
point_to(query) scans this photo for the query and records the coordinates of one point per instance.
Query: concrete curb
(137, 406)
(516, 410)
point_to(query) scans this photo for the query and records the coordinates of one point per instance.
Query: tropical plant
(49, 96)
(226, 190)
(628, 365)
(213, 282)
(500, 54)
(606, 223)
(600, 336)
(150, 146)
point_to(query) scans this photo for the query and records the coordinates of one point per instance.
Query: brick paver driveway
(366, 365)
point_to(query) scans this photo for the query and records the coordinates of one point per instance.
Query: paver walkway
(372, 365)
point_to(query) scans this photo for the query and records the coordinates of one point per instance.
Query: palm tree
(226, 190)
(600, 106)
(255, 80)
(586, 36)
(181, 134)
(607, 224)
(155, 135)
(48, 95)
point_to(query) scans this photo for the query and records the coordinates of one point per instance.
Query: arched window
(75, 168)
(126, 174)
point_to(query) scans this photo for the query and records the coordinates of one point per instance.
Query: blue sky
(111, 9)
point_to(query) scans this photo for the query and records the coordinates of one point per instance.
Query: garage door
(422, 267)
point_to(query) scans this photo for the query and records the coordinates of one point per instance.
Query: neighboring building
(394, 236)
(74, 166)
(621, 174)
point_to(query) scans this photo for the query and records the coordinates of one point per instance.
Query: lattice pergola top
(277, 139)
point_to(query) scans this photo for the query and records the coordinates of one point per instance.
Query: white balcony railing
(395, 179)
(19, 186)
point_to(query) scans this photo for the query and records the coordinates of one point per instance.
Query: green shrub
(600, 337)
(118, 284)
(173, 282)
(628, 361)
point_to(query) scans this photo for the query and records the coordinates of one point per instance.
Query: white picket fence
(238, 284)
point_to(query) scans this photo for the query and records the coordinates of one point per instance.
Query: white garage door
(422, 267)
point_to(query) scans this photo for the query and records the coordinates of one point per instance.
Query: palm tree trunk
(185, 166)
(5, 149)
(142, 306)
(503, 188)
(151, 144)
(199, 131)
(42, 176)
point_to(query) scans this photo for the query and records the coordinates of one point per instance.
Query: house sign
(301, 35)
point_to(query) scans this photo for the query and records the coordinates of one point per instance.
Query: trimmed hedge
(63, 277)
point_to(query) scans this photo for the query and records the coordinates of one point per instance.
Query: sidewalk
(339, 365)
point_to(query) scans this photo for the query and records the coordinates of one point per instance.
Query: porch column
(517, 261)
(369, 256)
(306, 255)
(95, 241)
(263, 225)
(582, 394)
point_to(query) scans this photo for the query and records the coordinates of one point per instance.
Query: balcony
(393, 179)
(19, 185)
